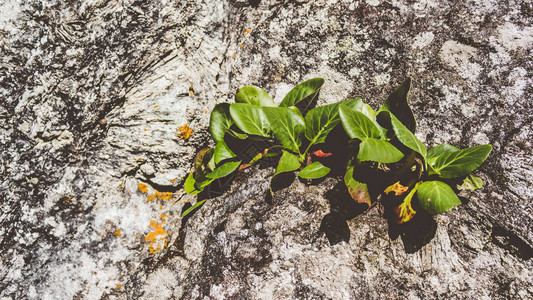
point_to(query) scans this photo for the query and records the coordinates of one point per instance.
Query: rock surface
(95, 95)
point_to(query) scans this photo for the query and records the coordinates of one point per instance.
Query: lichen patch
(157, 237)
(184, 132)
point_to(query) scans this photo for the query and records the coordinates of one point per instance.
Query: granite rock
(105, 103)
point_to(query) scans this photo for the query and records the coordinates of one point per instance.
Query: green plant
(379, 142)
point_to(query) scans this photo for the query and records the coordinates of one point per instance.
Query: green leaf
(220, 121)
(407, 138)
(368, 111)
(287, 163)
(319, 121)
(189, 185)
(308, 88)
(250, 119)
(436, 197)
(224, 170)
(356, 124)
(188, 211)
(378, 150)
(202, 182)
(440, 150)
(238, 135)
(314, 170)
(462, 162)
(222, 152)
(254, 95)
(357, 190)
(287, 126)
(471, 182)
(397, 104)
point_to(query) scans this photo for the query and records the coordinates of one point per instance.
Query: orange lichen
(166, 196)
(118, 286)
(397, 188)
(234, 55)
(173, 180)
(156, 106)
(184, 132)
(117, 233)
(164, 218)
(246, 31)
(160, 207)
(150, 198)
(145, 129)
(143, 188)
(139, 159)
(157, 237)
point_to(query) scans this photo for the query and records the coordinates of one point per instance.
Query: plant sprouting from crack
(301, 137)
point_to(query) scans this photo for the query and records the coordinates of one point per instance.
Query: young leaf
(189, 185)
(462, 162)
(314, 170)
(406, 137)
(250, 119)
(287, 163)
(405, 212)
(222, 152)
(368, 111)
(378, 150)
(220, 121)
(188, 211)
(436, 197)
(471, 182)
(254, 95)
(356, 124)
(287, 126)
(308, 88)
(397, 104)
(319, 121)
(358, 190)
(224, 170)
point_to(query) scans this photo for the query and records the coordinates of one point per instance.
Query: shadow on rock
(416, 233)
(342, 208)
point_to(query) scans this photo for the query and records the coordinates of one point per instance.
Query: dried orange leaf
(320, 153)
(405, 212)
(358, 190)
(397, 188)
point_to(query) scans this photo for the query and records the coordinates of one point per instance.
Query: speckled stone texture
(94, 95)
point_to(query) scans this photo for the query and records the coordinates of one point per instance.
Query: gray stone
(91, 208)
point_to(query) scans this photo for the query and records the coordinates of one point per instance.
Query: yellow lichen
(143, 188)
(184, 132)
(157, 237)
